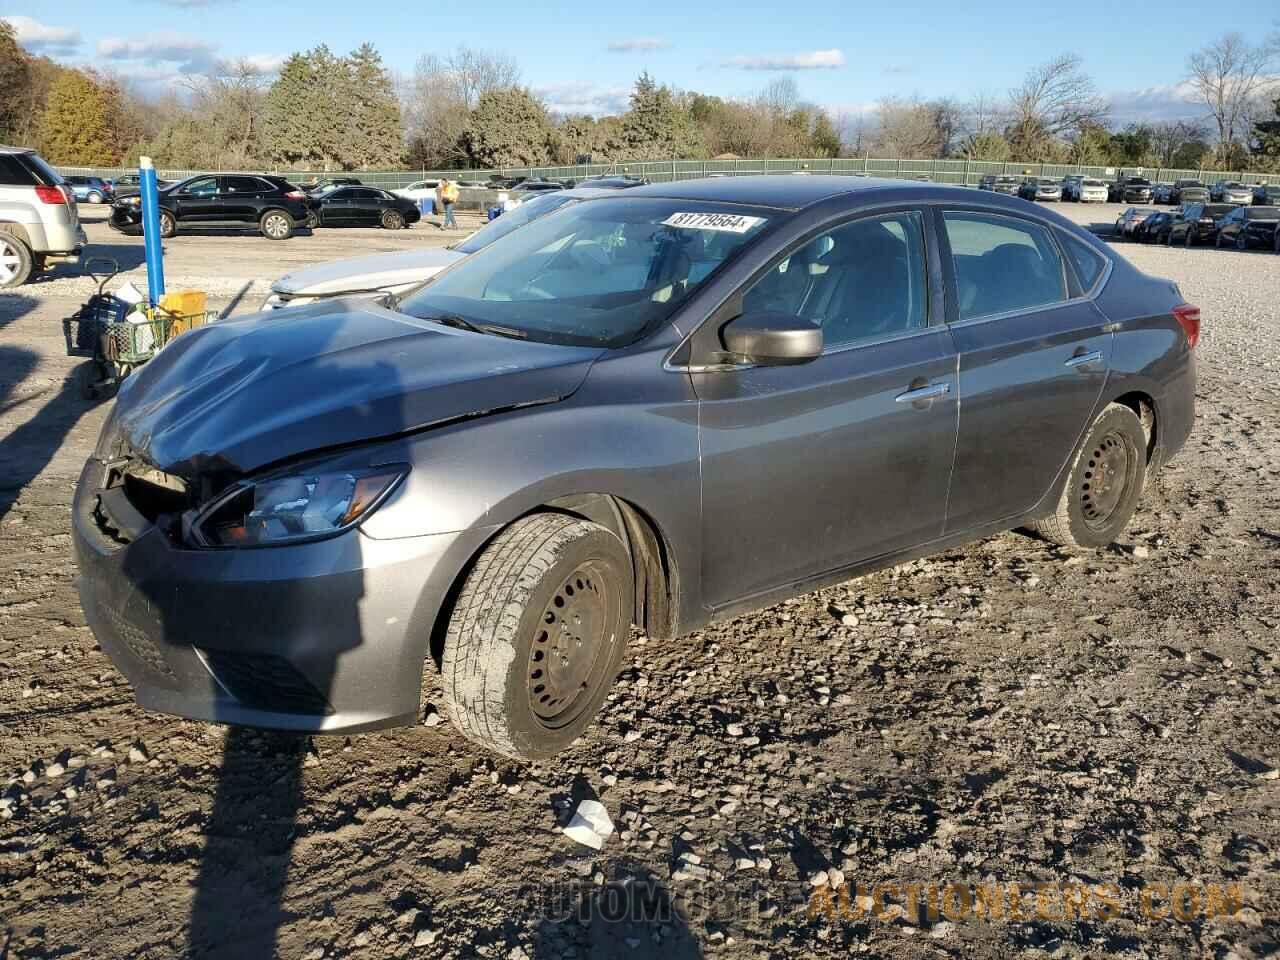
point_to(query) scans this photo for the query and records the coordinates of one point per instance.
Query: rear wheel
(1106, 479)
(1187, 241)
(16, 261)
(1242, 242)
(537, 634)
(392, 220)
(276, 225)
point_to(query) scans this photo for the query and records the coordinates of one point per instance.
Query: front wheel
(392, 220)
(168, 225)
(276, 225)
(1242, 242)
(1186, 240)
(537, 635)
(1106, 479)
(94, 197)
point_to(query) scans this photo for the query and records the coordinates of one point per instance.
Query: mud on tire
(1107, 476)
(537, 635)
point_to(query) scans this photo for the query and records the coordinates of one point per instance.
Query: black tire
(1217, 242)
(276, 225)
(392, 220)
(16, 261)
(1242, 242)
(1187, 241)
(1093, 510)
(540, 580)
(168, 224)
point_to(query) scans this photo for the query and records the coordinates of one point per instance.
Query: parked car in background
(328, 183)
(362, 207)
(272, 204)
(1249, 226)
(1267, 194)
(394, 273)
(1189, 191)
(526, 187)
(1130, 220)
(1130, 190)
(1006, 185)
(1040, 188)
(419, 190)
(1090, 190)
(1069, 184)
(90, 189)
(1162, 193)
(1230, 191)
(39, 222)
(1198, 223)
(127, 183)
(612, 182)
(657, 408)
(1149, 230)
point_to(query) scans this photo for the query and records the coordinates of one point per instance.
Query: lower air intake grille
(266, 682)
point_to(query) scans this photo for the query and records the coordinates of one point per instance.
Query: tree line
(469, 109)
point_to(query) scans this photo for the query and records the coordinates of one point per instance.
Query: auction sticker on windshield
(726, 222)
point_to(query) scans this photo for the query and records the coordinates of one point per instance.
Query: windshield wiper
(462, 323)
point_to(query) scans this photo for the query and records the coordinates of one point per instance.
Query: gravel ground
(1001, 714)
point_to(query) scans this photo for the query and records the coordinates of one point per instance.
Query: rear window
(26, 170)
(1264, 213)
(1089, 263)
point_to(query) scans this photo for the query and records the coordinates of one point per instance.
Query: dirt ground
(1095, 729)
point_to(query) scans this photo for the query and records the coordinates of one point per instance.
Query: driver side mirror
(771, 337)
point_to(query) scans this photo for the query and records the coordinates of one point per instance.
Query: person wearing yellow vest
(446, 197)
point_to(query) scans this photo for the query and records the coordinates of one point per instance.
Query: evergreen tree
(15, 78)
(657, 127)
(373, 136)
(74, 128)
(508, 128)
(825, 139)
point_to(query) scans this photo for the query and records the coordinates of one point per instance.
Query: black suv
(1130, 190)
(275, 205)
(1197, 223)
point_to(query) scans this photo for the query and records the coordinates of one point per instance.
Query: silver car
(39, 221)
(1231, 191)
(673, 405)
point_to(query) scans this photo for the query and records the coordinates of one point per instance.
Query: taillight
(295, 195)
(51, 194)
(1188, 315)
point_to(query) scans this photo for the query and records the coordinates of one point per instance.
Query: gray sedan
(677, 404)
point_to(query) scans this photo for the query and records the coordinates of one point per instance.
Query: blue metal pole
(151, 230)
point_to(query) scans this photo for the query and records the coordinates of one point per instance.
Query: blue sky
(845, 56)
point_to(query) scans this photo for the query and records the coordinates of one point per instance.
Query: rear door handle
(1082, 359)
(932, 392)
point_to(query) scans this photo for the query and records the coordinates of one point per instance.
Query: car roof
(795, 193)
(10, 150)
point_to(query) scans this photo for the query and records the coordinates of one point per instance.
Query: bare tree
(1055, 99)
(439, 97)
(1169, 137)
(909, 129)
(1229, 75)
(230, 105)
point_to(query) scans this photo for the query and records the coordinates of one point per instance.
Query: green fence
(966, 172)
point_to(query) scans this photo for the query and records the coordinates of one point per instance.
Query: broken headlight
(294, 508)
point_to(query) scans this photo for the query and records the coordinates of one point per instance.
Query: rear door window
(1002, 264)
(1088, 262)
(242, 185)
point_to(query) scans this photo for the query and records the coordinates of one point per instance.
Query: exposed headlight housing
(301, 506)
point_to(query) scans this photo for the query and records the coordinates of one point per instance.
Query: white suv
(39, 223)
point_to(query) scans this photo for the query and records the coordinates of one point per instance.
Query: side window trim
(953, 290)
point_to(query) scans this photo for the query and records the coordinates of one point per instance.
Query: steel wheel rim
(1107, 476)
(570, 650)
(276, 226)
(10, 261)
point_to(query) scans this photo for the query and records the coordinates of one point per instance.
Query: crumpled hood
(234, 396)
(373, 272)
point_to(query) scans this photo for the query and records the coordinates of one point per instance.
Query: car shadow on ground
(28, 448)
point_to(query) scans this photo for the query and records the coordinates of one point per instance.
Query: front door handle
(931, 392)
(1082, 359)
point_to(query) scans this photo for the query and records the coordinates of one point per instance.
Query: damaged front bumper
(327, 636)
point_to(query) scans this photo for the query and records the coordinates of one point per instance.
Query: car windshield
(1048, 183)
(528, 211)
(1093, 183)
(1139, 182)
(598, 273)
(1264, 213)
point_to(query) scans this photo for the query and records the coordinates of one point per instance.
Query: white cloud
(811, 60)
(39, 37)
(583, 97)
(638, 45)
(1171, 101)
(263, 64)
(191, 55)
